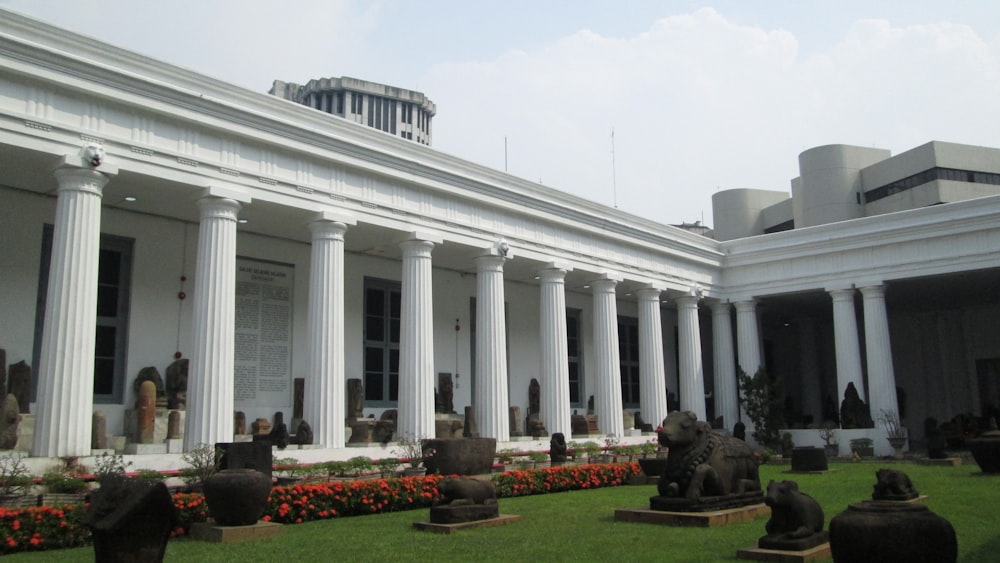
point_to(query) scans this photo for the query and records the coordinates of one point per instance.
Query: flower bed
(54, 528)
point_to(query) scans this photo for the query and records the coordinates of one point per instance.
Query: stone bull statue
(703, 463)
(464, 491)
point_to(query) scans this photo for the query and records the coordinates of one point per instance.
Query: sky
(647, 106)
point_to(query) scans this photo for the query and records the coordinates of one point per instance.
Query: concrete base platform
(450, 528)
(942, 462)
(819, 553)
(692, 519)
(209, 531)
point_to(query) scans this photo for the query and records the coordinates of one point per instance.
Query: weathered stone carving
(176, 384)
(534, 426)
(446, 393)
(239, 423)
(174, 425)
(467, 490)
(355, 399)
(796, 520)
(150, 373)
(854, 413)
(279, 432)
(99, 431)
(557, 448)
(10, 418)
(465, 500)
(145, 412)
(702, 464)
(20, 384)
(893, 484)
(471, 428)
(131, 520)
(303, 434)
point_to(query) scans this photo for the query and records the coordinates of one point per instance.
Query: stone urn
(985, 450)
(876, 531)
(237, 497)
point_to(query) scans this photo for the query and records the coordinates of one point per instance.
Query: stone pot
(237, 497)
(897, 444)
(986, 451)
(877, 531)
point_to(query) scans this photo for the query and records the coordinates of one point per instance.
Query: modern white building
(148, 211)
(404, 113)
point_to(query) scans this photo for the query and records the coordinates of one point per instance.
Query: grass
(580, 526)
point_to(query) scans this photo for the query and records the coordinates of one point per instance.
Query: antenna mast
(614, 180)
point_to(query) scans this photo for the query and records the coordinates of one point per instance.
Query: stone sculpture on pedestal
(796, 522)
(704, 471)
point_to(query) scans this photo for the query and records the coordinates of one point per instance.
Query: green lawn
(580, 526)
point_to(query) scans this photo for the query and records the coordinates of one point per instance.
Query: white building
(396, 111)
(267, 242)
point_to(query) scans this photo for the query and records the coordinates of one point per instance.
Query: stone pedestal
(692, 519)
(463, 513)
(210, 532)
(879, 531)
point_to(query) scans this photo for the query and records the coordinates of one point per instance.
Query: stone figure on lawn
(796, 522)
(704, 470)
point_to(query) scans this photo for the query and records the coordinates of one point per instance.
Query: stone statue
(150, 373)
(145, 412)
(10, 418)
(740, 431)
(447, 393)
(239, 423)
(465, 499)
(303, 434)
(457, 491)
(19, 384)
(279, 432)
(701, 463)
(893, 484)
(355, 399)
(130, 520)
(854, 412)
(534, 397)
(471, 428)
(557, 448)
(796, 522)
(176, 384)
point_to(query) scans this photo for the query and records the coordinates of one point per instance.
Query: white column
(747, 338)
(727, 403)
(556, 411)
(416, 343)
(66, 364)
(692, 378)
(491, 399)
(325, 385)
(652, 378)
(848, 351)
(747, 343)
(608, 399)
(211, 378)
(881, 378)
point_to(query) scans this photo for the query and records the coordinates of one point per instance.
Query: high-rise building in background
(396, 111)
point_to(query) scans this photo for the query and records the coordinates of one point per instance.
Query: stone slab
(943, 462)
(819, 553)
(210, 532)
(692, 519)
(145, 449)
(175, 445)
(451, 528)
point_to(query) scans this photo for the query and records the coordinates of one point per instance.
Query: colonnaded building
(149, 214)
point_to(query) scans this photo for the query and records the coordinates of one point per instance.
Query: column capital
(417, 248)
(688, 301)
(330, 230)
(747, 306)
(552, 275)
(873, 291)
(842, 294)
(490, 263)
(648, 293)
(219, 208)
(603, 285)
(721, 307)
(80, 180)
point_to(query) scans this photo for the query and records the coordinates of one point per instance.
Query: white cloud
(698, 102)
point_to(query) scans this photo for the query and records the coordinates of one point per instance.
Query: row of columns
(68, 336)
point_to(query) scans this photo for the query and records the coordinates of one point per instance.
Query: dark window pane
(108, 267)
(393, 386)
(104, 345)
(395, 303)
(374, 302)
(373, 386)
(104, 376)
(394, 331)
(374, 329)
(373, 360)
(394, 361)
(107, 301)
